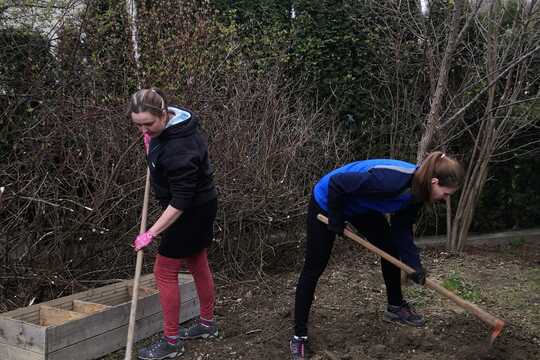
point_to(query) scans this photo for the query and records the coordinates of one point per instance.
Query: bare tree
(509, 55)
(497, 77)
(461, 19)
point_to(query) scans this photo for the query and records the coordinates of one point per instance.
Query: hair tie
(442, 156)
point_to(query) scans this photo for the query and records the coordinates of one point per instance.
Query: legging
(373, 226)
(166, 273)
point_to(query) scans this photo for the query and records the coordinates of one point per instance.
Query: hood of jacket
(182, 124)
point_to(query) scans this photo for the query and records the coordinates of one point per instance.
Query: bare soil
(255, 315)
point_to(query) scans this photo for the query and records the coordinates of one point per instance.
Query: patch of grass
(465, 290)
(519, 242)
(533, 277)
(418, 296)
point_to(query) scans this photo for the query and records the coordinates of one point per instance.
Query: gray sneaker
(161, 349)
(198, 330)
(403, 314)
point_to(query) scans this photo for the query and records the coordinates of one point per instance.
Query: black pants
(374, 227)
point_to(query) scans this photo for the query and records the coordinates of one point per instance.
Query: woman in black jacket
(182, 180)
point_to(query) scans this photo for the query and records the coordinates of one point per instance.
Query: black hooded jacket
(180, 169)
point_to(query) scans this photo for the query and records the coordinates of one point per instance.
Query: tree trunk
(131, 8)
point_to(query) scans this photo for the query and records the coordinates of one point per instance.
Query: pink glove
(143, 240)
(146, 139)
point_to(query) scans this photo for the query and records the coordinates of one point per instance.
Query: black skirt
(191, 233)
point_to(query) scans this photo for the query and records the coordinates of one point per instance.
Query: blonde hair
(150, 100)
(440, 166)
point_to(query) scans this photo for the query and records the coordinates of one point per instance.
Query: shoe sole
(297, 358)
(396, 320)
(203, 336)
(169, 356)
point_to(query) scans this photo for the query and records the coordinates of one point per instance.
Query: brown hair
(437, 165)
(150, 100)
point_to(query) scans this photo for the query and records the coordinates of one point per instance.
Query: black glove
(336, 226)
(419, 276)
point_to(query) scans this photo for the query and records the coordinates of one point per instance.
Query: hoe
(494, 323)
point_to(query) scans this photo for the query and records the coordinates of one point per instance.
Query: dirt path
(256, 315)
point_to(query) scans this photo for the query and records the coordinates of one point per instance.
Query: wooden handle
(138, 270)
(487, 318)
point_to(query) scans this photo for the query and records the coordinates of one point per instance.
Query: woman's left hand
(419, 276)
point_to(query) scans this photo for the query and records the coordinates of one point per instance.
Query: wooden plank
(113, 300)
(69, 333)
(49, 316)
(148, 281)
(31, 317)
(11, 352)
(107, 342)
(185, 277)
(189, 309)
(22, 334)
(95, 295)
(125, 296)
(88, 307)
(115, 339)
(143, 291)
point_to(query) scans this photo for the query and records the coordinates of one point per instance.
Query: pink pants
(166, 275)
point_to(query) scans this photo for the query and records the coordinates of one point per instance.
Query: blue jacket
(377, 185)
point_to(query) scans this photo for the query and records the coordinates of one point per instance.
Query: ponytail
(440, 166)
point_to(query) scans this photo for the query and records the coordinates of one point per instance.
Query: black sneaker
(299, 348)
(403, 314)
(161, 349)
(206, 329)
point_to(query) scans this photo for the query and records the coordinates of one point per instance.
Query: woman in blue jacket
(362, 193)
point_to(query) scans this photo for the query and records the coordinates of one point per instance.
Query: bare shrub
(269, 146)
(73, 166)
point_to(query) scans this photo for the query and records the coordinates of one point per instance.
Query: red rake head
(499, 324)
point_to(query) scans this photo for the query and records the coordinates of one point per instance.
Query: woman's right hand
(143, 240)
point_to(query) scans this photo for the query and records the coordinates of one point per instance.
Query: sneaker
(161, 349)
(299, 348)
(403, 314)
(201, 329)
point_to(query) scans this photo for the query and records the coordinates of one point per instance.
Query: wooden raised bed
(88, 324)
